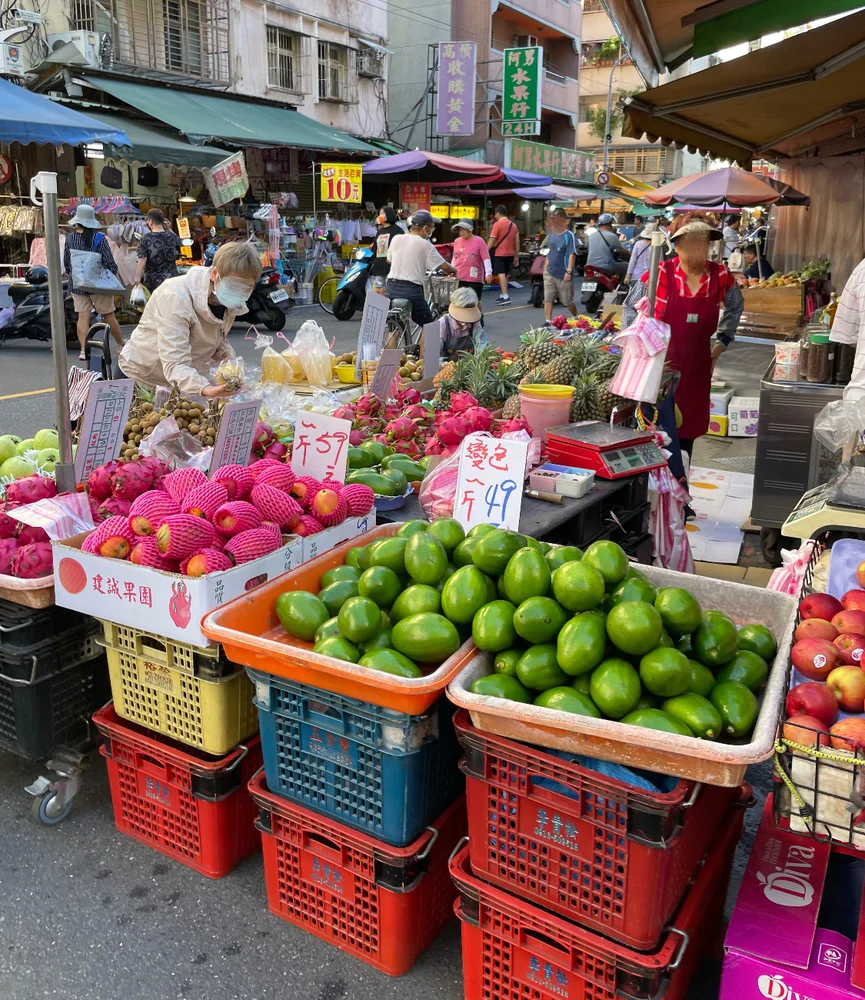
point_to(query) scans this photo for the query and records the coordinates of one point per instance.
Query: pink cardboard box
(774, 948)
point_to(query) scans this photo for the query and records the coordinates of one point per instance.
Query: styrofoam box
(742, 416)
(719, 400)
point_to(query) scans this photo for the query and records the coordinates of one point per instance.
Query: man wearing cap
(85, 236)
(411, 255)
(602, 243)
(471, 258)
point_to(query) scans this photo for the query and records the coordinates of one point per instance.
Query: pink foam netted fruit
(149, 511)
(182, 481)
(182, 535)
(237, 480)
(206, 561)
(146, 552)
(237, 516)
(360, 499)
(273, 527)
(205, 500)
(279, 476)
(329, 508)
(308, 525)
(257, 468)
(304, 490)
(275, 505)
(252, 544)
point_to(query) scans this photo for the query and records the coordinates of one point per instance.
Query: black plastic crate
(628, 523)
(639, 547)
(36, 718)
(28, 664)
(22, 627)
(634, 493)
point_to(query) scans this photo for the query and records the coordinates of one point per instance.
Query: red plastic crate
(611, 856)
(513, 950)
(186, 804)
(384, 905)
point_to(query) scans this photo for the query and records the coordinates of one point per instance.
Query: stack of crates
(181, 744)
(574, 883)
(359, 808)
(52, 677)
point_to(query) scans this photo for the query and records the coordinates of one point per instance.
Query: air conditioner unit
(527, 41)
(77, 48)
(14, 60)
(370, 63)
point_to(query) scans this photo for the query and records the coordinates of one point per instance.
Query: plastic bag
(176, 447)
(292, 359)
(312, 348)
(787, 579)
(139, 296)
(839, 426)
(439, 488)
(230, 372)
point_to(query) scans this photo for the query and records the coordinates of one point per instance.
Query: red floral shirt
(726, 281)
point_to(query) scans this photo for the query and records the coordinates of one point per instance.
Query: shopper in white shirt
(410, 257)
(849, 328)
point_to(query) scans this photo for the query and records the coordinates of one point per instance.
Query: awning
(149, 145)
(804, 95)
(424, 166)
(715, 189)
(629, 186)
(506, 176)
(28, 117)
(207, 118)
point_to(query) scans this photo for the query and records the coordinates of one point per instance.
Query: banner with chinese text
(456, 88)
(555, 161)
(341, 182)
(227, 180)
(521, 90)
(413, 197)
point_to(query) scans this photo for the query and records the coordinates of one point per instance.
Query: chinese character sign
(236, 434)
(320, 446)
(414, 197)
(105, 417)
(227, 180)
(556, 161)
(456, 88)
(490, 482)
(521, 86)
(341, 182)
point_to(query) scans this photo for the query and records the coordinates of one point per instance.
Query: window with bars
(182, 30)
(283, 59)
(641, 161)
(333, 76)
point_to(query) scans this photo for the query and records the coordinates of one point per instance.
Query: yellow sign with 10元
(341, 182)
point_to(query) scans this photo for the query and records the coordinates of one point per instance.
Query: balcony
(593, 7)
(544, 18)
(599, 54)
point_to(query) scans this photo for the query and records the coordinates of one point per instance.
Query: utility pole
(608, 138)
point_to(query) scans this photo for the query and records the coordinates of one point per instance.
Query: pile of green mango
(386, 472)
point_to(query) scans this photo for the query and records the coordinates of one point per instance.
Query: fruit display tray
(634, 746)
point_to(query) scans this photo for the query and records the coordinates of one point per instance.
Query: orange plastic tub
(250, 633)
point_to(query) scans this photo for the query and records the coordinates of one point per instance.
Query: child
(461, 327)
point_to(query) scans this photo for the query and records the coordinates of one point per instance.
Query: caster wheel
(771, 543)
(47, 812)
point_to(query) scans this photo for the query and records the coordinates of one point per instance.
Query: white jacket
(178, 336)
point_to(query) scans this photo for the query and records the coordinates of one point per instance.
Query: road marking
(506, 309)
(33, 392)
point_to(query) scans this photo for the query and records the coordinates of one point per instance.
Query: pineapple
(501, 384)
(607, 400)
(585, 402)
(444, 374)
(511, 410)
(534, 377)
(539, 349)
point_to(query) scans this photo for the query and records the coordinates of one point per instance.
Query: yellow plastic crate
(164, 685)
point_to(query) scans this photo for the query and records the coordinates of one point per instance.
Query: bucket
(305, 294)
(544, 412)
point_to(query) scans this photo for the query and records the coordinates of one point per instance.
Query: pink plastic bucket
(544, 413)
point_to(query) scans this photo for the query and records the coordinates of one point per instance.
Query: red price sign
(490, 482)
(341, 182)
(320, 446)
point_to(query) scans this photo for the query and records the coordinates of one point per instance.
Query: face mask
(231, 293)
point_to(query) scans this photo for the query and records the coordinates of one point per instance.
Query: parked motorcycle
(536, 275)
(269, 303)
(351, 290)
(31, 319)
(596, 284)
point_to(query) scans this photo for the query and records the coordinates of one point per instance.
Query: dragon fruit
(149, 511)
(345, 413)
(275, 505)
(99, 481)
(392, 411)
(359, 498)
(435, 447)
(8, 547)
(308, 525)
(28, 535)
(257, 468)
(113, 538)
(480, 418)
(8, 525)
(182, 535)
(204, 501)
(183, 481)
(356, 438)
(512, 426)
(237, 480)
(159, 469)
(453, 429)
(32, 561)
(206, 561)
(237, 516)
(367, 406)
(112, 507)
(368, 425)
(280, 477)
(263, 436)
(419, 413)
(401, 429)
(277, 450)
(381, 438)
(146, 552)
(31, 489)
(329, 508)
(408, 397)
(304, 490)
(462, 401)
(131, 480)
(252, 544)
(410, 448)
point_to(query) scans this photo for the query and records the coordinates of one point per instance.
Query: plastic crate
(21, 627)
(514, 950)
(613, 857)
(383, 905)
(184, 804)
(37, 718)
(189, 694)
(374, 769)
(27, 664)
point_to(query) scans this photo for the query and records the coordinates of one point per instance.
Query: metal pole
(313, 193)
(607, 134)
(658, 241)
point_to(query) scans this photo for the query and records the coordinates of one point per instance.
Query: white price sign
(388, 366)
(320, 446)
(236, 432)
(432, 345)
(372, 324)
(490, 482)
(105, 417)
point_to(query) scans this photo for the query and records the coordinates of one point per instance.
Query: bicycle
(401, 332)
(326, 294)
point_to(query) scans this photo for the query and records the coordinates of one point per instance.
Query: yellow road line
(504, 309)
(33, 392)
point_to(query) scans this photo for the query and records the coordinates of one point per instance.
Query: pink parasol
(716, 189)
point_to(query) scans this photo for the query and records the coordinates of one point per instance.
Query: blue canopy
(28, 117)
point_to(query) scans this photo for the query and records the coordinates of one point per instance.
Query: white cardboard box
(719, 401)
(742, 416)
(314, 545)
(167, 604)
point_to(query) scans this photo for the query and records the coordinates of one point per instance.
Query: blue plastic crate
(374, 769)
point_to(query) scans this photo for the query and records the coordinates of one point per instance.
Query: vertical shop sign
(457, 77)
(521, 90)
(227, 180)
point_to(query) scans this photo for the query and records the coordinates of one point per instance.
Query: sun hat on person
(651, 227)
(85, 216)
(698, 226)
(464, 306)
(463, 224)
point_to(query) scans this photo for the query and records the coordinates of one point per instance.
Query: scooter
(269, 303)
(596, 284)
(351, 290)
(536, 275)
(32, 317)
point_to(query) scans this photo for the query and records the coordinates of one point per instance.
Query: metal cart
(789, 460)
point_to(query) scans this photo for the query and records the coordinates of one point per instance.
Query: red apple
(823, 606)
(854, 600)
(848, 686)
(850, 621)
(849, 734)
(860, 574)
(816, 628)
(815, 658)
(852, 647)
(807, 731)
(813, 699)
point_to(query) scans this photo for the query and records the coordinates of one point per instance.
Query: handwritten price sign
(490, 482)
(320, 446)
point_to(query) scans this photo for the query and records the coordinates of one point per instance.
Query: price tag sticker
(236, 433)
(385, 373)
(105, 417)
(490, 482)
(320, 446)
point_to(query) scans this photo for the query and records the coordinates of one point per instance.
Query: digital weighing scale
(837, 505)
(611, 452)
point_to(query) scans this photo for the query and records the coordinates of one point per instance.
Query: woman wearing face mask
(157, 252)
(185, 325)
